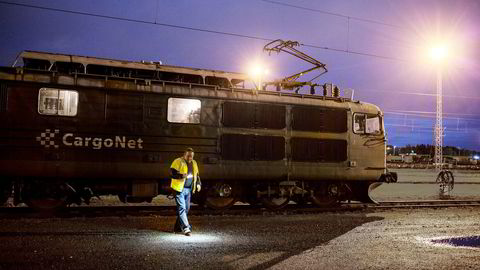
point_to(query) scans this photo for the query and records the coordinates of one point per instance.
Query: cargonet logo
(47, 138)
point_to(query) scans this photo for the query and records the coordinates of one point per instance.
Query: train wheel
(220, 196)
(46, 196)
(275, 203)
(325, 195)
(5, 192)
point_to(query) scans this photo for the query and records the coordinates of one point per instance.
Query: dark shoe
(188, 234)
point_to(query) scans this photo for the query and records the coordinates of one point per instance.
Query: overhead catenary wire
(244, 36)
(236, 35)
(429, 116)
(348, 17)
(420, 113)
(155, 22)
(427, 129)
(210, 31)
(419, 94)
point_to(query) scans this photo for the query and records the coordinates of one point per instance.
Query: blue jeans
(182, 199)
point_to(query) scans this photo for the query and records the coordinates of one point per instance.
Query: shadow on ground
(218, 242)
(253, 242)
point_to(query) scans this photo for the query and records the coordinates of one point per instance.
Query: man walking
(185, 181)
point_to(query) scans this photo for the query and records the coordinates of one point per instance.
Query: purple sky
(403, 88)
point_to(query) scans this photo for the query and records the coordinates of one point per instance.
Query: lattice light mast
(438, 54)
(439, 123)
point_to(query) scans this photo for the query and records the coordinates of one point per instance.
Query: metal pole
(439, 123)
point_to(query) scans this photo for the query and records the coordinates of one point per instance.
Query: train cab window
(184, 110)
(366, 123)
(61, 102)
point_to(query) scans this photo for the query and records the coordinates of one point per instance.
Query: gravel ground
(399, 240)
(376, 240)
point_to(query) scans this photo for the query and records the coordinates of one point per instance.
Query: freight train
(72, 127)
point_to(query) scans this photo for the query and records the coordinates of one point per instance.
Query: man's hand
(199, 187)
(184, 175)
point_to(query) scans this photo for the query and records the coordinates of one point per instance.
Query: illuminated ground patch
(194, 238)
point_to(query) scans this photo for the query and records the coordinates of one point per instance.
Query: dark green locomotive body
(114, 131)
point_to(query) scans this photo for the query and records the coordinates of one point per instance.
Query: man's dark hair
(189, 149)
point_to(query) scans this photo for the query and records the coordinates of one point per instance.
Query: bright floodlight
(439, 53)
(257, 70)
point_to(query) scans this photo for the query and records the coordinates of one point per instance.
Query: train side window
(184, 110)
(372, 125)
(366, 124)
(359, 123)
(52, 101)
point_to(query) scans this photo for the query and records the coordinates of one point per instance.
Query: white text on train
(99, 143)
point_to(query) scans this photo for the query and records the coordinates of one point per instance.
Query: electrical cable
(197, 29)
(242, 35)
(419, 94)
(334, 14)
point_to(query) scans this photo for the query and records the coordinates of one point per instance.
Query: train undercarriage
(48, 195)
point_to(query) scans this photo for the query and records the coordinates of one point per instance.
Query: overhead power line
(334, 14)
(418, 94)
(427, 112)
(196, 29)
(427, 129)
(234, 35)
(413, 115)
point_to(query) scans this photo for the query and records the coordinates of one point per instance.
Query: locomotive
(75, 126)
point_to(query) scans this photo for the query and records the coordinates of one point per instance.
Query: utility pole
(439, 124)
(445, 177)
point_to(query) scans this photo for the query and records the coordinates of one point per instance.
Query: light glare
(439, 52)
(257, 70)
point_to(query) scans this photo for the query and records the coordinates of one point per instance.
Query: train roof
(143, 65)
(39, 67)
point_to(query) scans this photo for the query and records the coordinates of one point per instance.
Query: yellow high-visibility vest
(181, 166)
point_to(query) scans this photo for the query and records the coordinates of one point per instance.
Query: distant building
(397, 159)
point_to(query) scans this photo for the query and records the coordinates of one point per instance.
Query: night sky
(377, 48)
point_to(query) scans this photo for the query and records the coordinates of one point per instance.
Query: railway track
(427, 203)
(161, 210)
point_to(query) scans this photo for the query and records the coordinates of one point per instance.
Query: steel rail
(236, 210)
